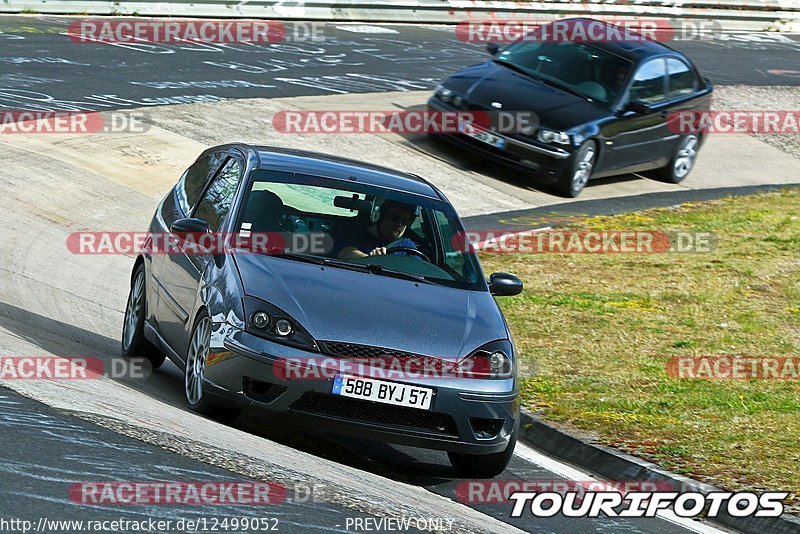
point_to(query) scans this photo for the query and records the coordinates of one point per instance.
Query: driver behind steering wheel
(387, 232)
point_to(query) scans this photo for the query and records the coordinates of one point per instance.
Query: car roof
(634, 50)
(344, 169)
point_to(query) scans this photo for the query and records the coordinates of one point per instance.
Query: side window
(218, 197)
(681, 79)
(648, 83)
(194, 180)
(452, 256)
(417, 227)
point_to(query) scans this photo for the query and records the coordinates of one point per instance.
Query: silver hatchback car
(333, 291)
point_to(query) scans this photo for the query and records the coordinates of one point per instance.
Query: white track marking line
(366, 28)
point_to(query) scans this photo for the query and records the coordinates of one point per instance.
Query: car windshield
(336, 223)
(576, 67)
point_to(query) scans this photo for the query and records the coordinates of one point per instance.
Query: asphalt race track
(38, 58)
(52, 302)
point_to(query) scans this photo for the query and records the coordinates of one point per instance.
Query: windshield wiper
(548, 81)
(373, 268)
(518, 68)
(564, 88)
(318, 260)
(295, 256)
(380, 269)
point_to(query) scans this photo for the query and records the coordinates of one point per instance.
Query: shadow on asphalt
(166, 385)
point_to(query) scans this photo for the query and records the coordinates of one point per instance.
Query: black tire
(686, 150)
(571, 183)
(484, 465)
(133, 343)
(194, 370)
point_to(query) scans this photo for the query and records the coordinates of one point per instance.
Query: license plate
(375, 390)
(482, 135)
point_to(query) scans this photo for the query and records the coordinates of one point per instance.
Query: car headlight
(549, 137)
(443, 93)
(494, 360)
(265, 320)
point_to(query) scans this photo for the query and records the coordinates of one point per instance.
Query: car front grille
(363, 411)
(392, 359)
(352, 350)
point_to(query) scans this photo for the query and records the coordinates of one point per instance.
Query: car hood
(490, 82)
(336, 304)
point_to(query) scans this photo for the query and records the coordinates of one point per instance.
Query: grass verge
(595, 331)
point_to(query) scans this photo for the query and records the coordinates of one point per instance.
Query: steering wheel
(411, 250)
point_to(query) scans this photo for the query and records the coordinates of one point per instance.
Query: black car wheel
(134, 344)
(682, 161)
(484, 465)
(579, 170)
(199, 346)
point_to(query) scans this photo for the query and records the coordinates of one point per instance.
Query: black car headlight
(265, 320)
(494, 360)
(443, 93)
(551, 137)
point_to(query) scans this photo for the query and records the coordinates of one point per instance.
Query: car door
(683, 94)
(636, 140)
(178, 203)
(183, 269)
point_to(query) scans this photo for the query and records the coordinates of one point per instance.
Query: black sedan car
(366, 316)
(602, 108)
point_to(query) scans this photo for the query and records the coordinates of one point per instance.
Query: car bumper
(245, 369)
(542, 159)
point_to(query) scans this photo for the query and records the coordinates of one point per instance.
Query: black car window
(583, 68)
(682, 81)
(194, 180)
(219, 195)
(648, 82)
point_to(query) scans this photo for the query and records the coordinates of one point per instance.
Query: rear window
(309, 198)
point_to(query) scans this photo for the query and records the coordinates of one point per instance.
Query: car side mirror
(190, 225)
(492, 48)
(638, 107)
(504, 285)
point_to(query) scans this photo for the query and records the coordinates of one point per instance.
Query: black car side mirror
(492, 48)
(189, 225)
(638, 107)
(504, 285)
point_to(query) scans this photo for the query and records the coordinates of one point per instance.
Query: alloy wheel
(133, 311)
(196, 361)
(685, 156)
(583, 169)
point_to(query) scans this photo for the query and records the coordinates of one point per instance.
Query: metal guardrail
(780, 15)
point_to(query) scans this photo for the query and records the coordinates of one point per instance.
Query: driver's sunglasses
(398, 219)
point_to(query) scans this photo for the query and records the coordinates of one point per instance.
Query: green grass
(594, 333)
